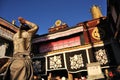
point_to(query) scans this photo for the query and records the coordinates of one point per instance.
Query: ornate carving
(98, 33)
(59, 25)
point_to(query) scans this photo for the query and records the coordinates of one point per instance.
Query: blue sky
(45, 12)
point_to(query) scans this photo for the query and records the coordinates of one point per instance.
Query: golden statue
(96, 12)
(20, 66)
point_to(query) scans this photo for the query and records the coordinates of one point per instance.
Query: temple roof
(8, 25)
(68, 31)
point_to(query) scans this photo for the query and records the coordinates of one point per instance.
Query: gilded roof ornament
(96, 12)
(58, 23)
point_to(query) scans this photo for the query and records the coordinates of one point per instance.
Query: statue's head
(24, 27)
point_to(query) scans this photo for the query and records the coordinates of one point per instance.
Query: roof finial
(13, 22)
(96, 12)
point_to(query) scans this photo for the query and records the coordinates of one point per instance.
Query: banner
(39, 65)
(55, 62)
(102, 54)
(76, 61)
(46, 47)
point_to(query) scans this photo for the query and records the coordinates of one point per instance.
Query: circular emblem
(98, 33)
(58, 23)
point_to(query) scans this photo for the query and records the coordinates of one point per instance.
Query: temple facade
(66, 52)
(75, 52)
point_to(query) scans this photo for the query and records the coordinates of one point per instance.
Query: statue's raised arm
(32, 27)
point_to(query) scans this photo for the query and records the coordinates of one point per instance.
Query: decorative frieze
(6, 33)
